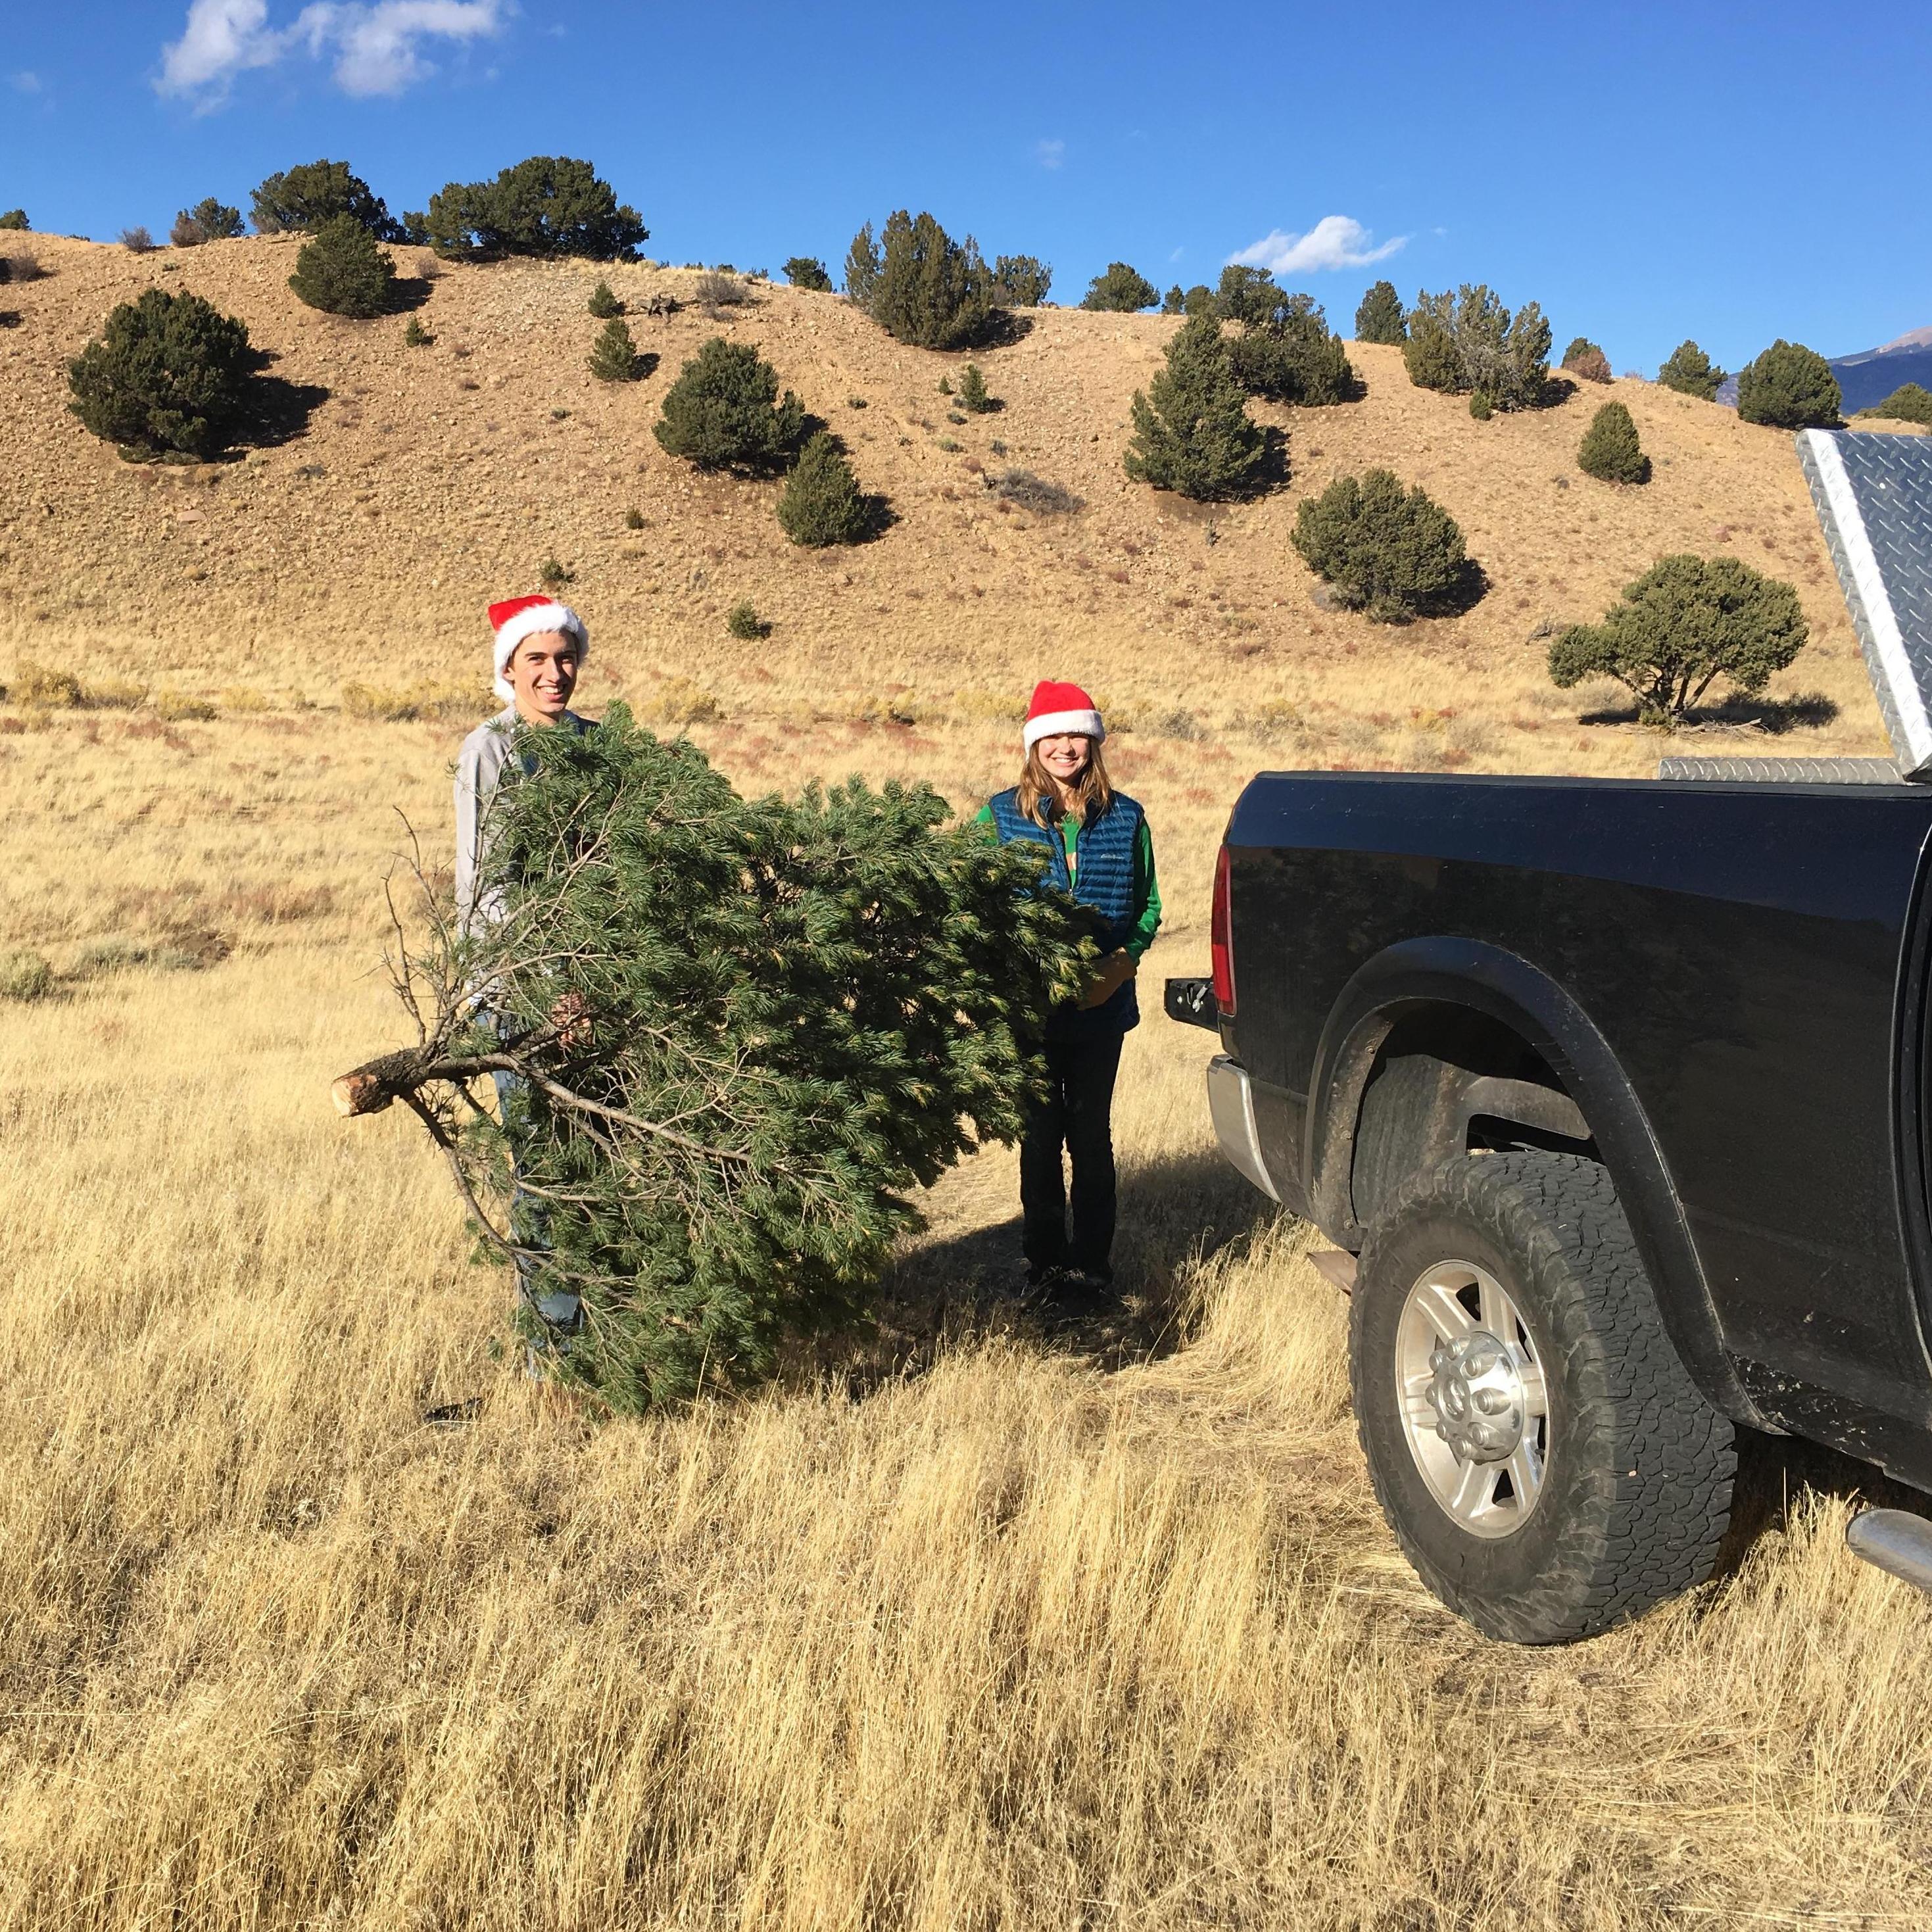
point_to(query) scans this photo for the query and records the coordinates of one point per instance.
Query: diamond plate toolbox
(1782, 771)
(1874, 496)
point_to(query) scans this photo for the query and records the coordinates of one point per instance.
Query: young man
(539, 646)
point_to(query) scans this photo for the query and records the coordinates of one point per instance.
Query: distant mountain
(1871, 375)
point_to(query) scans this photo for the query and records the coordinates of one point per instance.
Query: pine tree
(15, 218)
(344, 271)
(1609, 451)
(1584, 360)
(1691, 373)
(312, 196)
(821, 503)
(208, 220)
(972, 397)
(724, 412)
(1429, 354)
(416, 336)
(1199, 300)
(1247, 294)
(1174, 302)
(861, 267)
(614, 356)
(1121, 289)
(167, 375)
(1468, 342)
(931, 292)
(1192, 432)
(1292, 356)
(1397, 554)
(1379, 319)
(1686, 622)
(808, 272)
(749, 1031)
(550, 205)
(1910, 402)
(1789, 387)
(603, 303)
(1021, 281)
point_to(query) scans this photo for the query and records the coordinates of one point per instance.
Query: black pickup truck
(1620, 1094)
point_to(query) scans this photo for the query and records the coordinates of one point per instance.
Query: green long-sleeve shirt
(1147, 888)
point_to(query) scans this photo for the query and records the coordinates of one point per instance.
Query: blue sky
(1734, 172)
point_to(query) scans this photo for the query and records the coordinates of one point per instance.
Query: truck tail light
(1221, 945)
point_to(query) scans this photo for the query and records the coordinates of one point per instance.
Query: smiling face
(1064, 756)
(543, 673)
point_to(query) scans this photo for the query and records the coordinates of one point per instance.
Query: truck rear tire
(1540, 1451)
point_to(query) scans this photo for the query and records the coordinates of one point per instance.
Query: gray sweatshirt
(480, 765)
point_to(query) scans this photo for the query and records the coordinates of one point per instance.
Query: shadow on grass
(1774, 1474)
(941, 1293)
(1803, 711)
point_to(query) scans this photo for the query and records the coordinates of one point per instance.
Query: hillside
(428, 480)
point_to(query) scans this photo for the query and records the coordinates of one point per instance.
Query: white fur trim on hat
(1052, 723)
(538, 620)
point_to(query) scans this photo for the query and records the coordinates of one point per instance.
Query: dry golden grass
(976, 1623)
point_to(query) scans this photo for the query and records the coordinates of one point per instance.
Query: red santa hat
(517, 618)
(1057, 708)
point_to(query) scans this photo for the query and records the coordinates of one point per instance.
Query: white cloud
(376, 49)
(1335, 242)
(221, 38)
(26, 82)
(1049, 154)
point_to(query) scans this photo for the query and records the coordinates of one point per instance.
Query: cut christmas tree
(739, 1034)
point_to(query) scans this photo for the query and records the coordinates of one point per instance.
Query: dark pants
(1077, 1115)
(559, 1313)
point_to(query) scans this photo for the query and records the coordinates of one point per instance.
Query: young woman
(538, 648)
(1101, 852)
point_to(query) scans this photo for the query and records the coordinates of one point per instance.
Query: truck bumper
(1230, 1104)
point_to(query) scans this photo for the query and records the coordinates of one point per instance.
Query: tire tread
(1660, 1459)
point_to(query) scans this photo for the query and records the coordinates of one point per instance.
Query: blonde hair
(1040, 797)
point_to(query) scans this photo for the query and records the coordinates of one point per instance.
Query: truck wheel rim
(1470, 1389)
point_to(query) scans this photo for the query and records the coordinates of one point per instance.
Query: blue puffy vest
(1104, 879)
